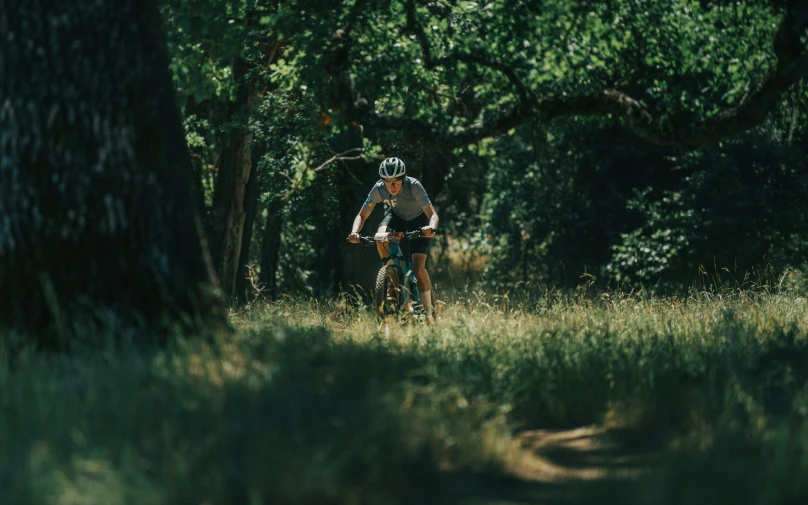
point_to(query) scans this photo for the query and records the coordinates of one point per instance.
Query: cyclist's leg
(422, 278)
(420, 251)
(419, 270)
(384, 247)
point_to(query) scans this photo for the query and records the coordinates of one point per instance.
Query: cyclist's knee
(420, 273)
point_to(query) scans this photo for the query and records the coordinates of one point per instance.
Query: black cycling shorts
(395, 223)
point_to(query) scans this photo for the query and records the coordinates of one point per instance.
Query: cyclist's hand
(353, 238)
(428, 232)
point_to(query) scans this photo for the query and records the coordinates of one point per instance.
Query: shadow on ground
(582, 465)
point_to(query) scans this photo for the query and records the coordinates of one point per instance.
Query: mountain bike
(396, 290)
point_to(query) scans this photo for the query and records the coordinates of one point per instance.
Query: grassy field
(315, 402)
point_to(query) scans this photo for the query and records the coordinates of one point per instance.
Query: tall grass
(315, 402)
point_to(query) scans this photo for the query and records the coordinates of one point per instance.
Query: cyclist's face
(394, 185)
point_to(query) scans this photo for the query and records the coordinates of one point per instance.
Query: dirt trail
(557, 467)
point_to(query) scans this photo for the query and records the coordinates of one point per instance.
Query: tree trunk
(437, 161)
(228, 213)
(227, 245)
(96, 205)
(270, 249)
(243, 289)
(198, 161)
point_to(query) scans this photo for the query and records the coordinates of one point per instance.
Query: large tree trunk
(96, 206)
(228, 214)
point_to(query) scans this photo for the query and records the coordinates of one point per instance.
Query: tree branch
(340, 157)
(350, 172)
(791, 66)
(337, 157)
(524, 95)
(415, 28)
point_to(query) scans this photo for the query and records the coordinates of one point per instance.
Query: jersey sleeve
(419, 193)
(374, 197)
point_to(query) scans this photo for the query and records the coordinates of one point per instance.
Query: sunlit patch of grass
(317, 402)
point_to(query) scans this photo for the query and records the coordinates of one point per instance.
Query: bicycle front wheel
(387, 293)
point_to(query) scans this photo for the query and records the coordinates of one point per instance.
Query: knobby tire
(387, 293)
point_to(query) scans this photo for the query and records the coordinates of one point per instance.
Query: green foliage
(556, 200)
(547, 202)
(585, 199)
(739, 209)
(205, 37)
(670, 226)
(681, 57)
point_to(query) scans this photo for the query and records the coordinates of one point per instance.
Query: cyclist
(407, 208)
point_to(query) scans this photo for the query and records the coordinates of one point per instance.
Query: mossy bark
(96, 205)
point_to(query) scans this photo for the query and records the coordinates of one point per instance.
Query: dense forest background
(166, 163)
(288, 107)
(159, 155)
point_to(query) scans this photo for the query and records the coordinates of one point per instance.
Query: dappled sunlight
(312, 400)
(591, 288)
(83, 479)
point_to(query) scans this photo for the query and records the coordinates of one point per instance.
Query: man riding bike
(407, 208)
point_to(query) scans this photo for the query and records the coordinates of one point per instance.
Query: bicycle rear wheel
(387, 293)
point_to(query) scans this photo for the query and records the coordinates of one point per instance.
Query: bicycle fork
(410, 297)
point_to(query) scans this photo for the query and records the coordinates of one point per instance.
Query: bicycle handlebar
(412, 235)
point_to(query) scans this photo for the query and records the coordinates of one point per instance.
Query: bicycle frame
(409, 291)
(403, 281)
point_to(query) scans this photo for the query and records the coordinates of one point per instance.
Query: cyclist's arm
(359, 220)
(429, 210)
(420, 195)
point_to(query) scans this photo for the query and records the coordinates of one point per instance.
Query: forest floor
(510, 399)
(565, 466)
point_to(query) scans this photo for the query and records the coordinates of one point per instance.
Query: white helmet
(392, 168)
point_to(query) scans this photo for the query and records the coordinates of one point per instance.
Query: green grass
(316, 403)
